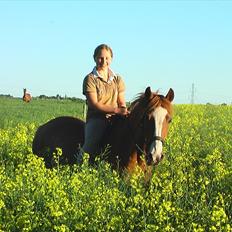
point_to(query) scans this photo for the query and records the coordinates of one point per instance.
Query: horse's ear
(170, 95)
(148, 93)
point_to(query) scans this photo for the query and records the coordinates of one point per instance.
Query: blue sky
(47, 46)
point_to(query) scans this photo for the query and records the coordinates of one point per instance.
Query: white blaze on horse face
(159, 115)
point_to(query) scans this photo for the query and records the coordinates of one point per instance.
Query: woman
(105, 94)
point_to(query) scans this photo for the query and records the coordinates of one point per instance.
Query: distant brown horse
(136, 140)
(26, 96)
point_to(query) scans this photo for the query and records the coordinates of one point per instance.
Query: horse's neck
(122, 140)
(120, 133)
(123, 134)
(135, 119)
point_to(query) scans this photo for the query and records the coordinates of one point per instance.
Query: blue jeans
(94, 132)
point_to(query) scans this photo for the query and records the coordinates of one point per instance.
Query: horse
(26, 96)
(133, 141)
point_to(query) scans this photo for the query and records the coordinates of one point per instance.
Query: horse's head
(152, 113)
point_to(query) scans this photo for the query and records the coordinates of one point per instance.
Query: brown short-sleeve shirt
(107, 92)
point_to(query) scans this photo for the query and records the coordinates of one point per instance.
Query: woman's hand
(122, 110)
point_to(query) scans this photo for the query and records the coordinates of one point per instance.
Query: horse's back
(64, 132)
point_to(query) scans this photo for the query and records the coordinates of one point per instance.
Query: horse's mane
(143, 105)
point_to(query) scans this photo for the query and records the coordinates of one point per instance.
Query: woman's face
(103, 59)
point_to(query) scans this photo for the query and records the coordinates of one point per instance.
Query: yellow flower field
(190, 190)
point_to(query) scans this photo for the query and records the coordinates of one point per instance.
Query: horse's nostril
(158, 159)
(149, 159)
(156, 162)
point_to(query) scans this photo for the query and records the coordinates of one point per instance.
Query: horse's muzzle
(151, 161)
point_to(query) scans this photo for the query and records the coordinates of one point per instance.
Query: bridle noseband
(159, 138)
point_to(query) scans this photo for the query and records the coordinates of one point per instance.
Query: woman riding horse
(136, 140)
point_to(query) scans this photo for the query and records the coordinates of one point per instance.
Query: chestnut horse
(26, 96)
(135, 140)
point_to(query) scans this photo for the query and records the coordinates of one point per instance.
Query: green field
(190, 190)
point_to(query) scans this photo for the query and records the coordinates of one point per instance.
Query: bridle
(159, 138)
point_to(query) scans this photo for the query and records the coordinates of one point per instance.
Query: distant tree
(6, 95)
(42, 96)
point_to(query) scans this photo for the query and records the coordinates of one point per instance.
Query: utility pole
(192, 95)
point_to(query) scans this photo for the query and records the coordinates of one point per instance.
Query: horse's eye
(169, 119)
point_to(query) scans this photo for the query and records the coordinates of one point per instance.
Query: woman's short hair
(99, 48)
